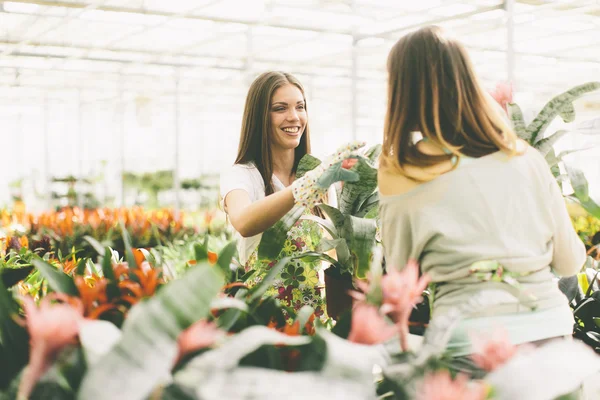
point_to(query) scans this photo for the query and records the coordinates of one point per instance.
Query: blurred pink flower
(440, 386)
(503, 95)
(51, 327)
(369, 326)
(491, 351)
(198, 336)
(402, 290)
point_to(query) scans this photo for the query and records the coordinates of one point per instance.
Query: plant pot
(337, 286)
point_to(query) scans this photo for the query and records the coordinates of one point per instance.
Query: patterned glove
(310, 189)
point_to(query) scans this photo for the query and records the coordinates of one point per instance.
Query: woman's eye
(279, 109)
(301, 107)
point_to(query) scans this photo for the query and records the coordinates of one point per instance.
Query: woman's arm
(249, 218)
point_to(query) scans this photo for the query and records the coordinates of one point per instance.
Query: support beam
(80, 145)
(166, 14)
(510, 40)
(122, 132)
(46, 134)
(176, 177)
(94, 5)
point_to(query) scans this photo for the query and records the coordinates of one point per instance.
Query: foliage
(534, 134)
(351, 226)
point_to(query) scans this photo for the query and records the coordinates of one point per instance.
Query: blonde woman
(477, 207)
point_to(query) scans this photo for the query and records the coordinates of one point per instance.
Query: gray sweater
(508, 209)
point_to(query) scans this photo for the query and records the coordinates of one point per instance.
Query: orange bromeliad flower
(212, 257)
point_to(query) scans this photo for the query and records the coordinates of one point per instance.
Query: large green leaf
(274, 238)
(95, 244)
(559, 105)
(224, 260)
(354, 361)
(129, 257)
(230, 353)
(142, 359)
(518, 122)
(307, 163)
(12, 276)
(365, 186)
(57, 280)
(545, 145)
(334, 215)
(360, 234)
(345, 369)
(367, 205)
(311, 256)
(14, 340)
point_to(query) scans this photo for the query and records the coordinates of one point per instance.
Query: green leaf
(144, 356)
(97, 338)
(80, 270)
(224, 259)
(273, 239)
(14, 340)
(518, 122)
(257, 291)
(303, 315)
(325, 224)
(311, 256)
(95, 244)
(57, 280)
(107, 269)
(200, 252)
(367, 205)
(307, 163)
(12, 276)
(230, 353)
(373, 213)
(545, 145)
(129, 257)
(557, 106)
(334, 215)
(360, 234)
(351, 360)
(363, 187)
(567, 113)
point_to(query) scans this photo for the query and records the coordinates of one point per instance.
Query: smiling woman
(260, 188)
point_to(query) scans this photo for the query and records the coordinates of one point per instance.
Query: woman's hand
(309, 190)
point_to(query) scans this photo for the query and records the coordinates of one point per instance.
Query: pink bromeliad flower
(369, 326)
(402, 290)
(503, 95)
(440, 386)
(492, 351)
(51, 327)
(198, 336)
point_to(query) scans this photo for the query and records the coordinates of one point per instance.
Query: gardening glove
(310, 189)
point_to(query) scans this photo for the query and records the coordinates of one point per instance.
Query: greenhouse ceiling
(99, 48)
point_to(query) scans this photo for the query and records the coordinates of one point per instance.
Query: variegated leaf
(518, 121)
(545, 145)
(559, 104)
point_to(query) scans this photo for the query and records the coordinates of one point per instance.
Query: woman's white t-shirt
(248, 178)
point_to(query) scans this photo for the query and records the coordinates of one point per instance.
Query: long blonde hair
(432, 88)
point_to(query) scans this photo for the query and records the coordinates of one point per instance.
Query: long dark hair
(255, 138)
